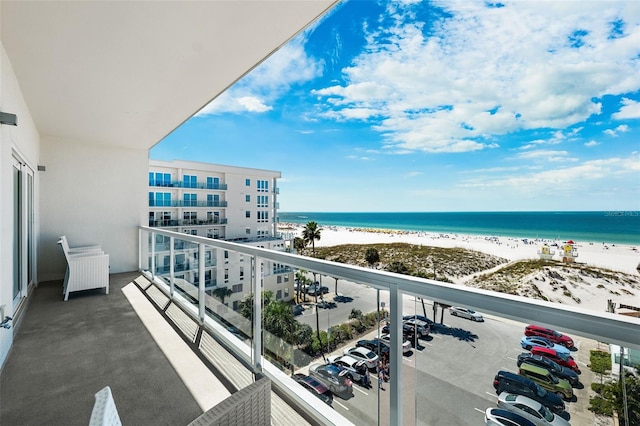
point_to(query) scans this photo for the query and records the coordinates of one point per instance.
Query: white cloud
(623, 128)
(589, 176)
(486, 72)
(262, 86)
(629, 109)
(591, 143)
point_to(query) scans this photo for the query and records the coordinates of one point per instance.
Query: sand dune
(562, 284)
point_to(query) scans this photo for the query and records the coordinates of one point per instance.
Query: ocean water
(617, 227)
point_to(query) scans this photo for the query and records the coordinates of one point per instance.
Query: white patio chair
(104, 409)
(86, 270)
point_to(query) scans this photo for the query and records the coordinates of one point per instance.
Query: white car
(355, 369)
(363, 354)
(457, 311)
(499, 417)
(406, 345)
(530, 409)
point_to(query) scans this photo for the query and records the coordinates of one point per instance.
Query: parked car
(501, 417)
(527, 342)
(369, 357)
(356, 370)
(561, 358)
(458, 311)
(515, 383)
(406, 345)
(419, 317)
(407, 331)
(555, 368)
(530, 409)
(547, 380)
(374, 345)
(422, 327)
(333, 377)
(315, 387)
(297, 309)
(552, 335)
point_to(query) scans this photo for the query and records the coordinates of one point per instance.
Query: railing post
(140, 249)
(256, 284)
(153, 255)
(201, 301)
(172, 265)
(395, 356)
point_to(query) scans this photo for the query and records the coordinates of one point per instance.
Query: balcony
(180, 184)
(182, 203)
(93, 341)
(186, 222)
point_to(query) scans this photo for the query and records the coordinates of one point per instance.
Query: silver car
(458, 311)
(530, 409)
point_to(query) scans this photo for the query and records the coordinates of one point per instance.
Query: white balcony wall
(95, 195)
(25, 142)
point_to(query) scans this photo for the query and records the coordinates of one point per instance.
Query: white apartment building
(230, 203)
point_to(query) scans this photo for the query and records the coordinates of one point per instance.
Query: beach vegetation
(398, 268)
(372, 256)
(311, 234)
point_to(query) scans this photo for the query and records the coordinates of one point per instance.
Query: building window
(235, 305)
(286, 292)
(247, 230)
(213, 200)
(236, 288)
(279, 295)
(190, 218)
(247, 214)
(226, 275)
(286, 278)
(190, 181)
(190, 200)
(241, 273)
(247, 198)
(213, 182)
(247, 182)
(279, 279)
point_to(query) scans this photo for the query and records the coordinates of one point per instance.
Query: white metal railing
(600, 326)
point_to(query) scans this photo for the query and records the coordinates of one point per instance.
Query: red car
(547, 333)
(560, 358)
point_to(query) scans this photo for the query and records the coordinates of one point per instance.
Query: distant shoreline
(610, 227)
(613, 256)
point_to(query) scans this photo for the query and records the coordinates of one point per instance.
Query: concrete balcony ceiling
(128, 73)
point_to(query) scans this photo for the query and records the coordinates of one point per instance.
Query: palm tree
(310, 234)
(372, 256)
(299, 244)
(222, 293)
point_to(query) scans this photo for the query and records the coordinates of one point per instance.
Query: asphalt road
(449, 378)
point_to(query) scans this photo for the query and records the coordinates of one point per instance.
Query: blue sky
(440, 106)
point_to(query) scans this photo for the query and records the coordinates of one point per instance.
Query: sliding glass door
(23, 230)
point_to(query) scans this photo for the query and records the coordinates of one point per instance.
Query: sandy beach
(614, 257)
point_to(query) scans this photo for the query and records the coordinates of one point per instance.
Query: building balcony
(182, 203)
(186, 222)
(180, 184)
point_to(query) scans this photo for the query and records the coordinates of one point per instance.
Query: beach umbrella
(570, 242)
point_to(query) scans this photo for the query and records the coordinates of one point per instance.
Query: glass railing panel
(343, 319)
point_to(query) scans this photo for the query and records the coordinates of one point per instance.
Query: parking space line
(477, 409)
(360, 390)
(342, 405)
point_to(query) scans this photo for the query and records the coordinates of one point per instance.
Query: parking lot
(448, 379)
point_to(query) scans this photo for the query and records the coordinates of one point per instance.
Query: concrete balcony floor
(65, 352)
